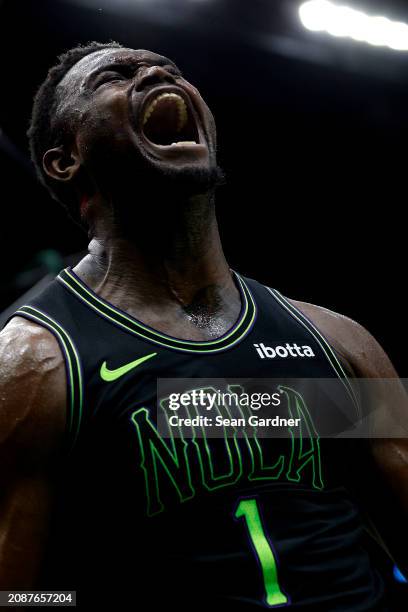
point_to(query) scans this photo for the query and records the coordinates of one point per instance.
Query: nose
(153, 75)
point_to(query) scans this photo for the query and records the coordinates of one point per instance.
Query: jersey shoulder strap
(337, 363)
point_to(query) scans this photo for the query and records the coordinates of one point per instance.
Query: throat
(205, 311)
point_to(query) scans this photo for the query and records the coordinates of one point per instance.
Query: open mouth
(169, 122)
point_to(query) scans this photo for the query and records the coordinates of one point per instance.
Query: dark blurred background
(312, 134)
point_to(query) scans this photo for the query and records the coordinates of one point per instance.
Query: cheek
(104, 126)
(209, 118)
(212, 131)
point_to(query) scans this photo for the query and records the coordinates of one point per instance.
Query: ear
(60, 164)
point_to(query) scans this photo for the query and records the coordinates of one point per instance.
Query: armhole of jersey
(327, 349)
(73, 369)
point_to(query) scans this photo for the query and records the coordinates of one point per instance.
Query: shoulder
(350, 339)
(29, 348)
(32, 388)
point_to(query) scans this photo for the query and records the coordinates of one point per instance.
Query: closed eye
(125, 72)
(173, 70)
(108, 77)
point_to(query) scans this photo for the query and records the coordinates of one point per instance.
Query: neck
(171, 252)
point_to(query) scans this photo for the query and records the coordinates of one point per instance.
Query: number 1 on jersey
(248, 509)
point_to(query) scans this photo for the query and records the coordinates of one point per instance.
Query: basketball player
(93, 498)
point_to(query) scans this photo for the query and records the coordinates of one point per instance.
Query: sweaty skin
(32, 421)
(174, 278)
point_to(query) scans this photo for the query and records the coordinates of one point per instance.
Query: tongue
(161, 127)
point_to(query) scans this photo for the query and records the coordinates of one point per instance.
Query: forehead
(77, 75)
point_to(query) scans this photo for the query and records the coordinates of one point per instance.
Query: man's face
(138, 122)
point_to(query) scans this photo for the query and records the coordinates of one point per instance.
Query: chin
(190, 180)
(148, 204)
(146, 180)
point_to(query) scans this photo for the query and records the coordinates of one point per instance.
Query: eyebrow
(128, 63)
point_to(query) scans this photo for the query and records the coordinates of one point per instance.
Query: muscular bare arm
(390, 455)
(32, 422)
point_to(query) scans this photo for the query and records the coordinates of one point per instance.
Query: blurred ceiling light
(344, 21)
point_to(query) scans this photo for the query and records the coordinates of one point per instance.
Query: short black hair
(42, 133)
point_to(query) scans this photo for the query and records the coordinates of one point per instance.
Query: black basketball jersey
(147, 522)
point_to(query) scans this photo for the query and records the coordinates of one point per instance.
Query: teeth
(184, 142)
(181, 107)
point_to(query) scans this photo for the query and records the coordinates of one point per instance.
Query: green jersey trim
(240, 330)
(322, 342)
(72, 365)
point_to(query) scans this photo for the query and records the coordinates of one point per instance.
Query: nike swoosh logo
(111, 375)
